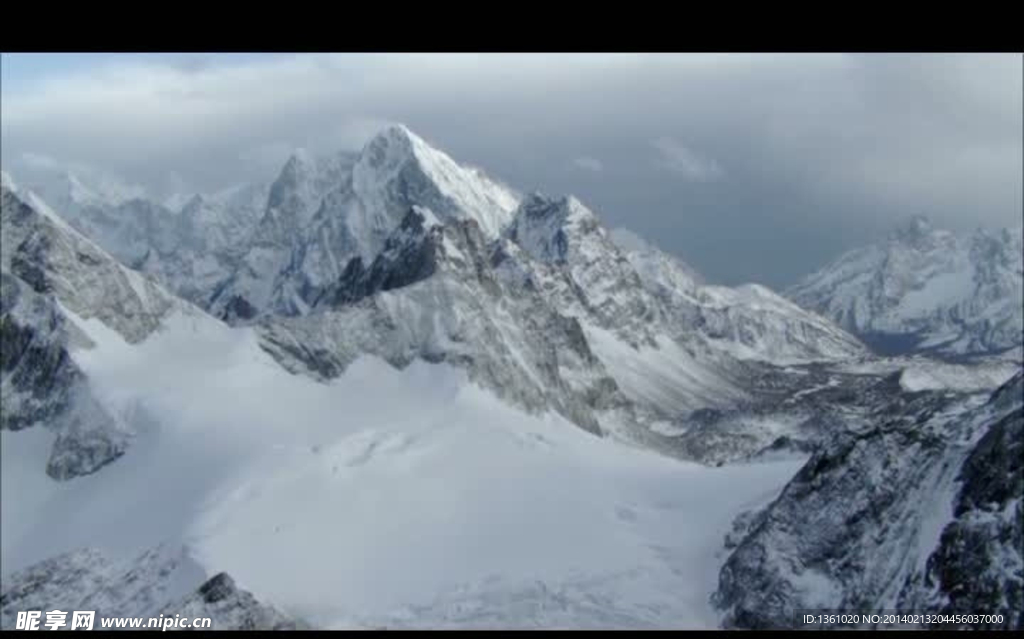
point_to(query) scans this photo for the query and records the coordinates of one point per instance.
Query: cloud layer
(684, 162)
(750, 166)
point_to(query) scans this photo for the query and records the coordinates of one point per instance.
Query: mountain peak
(90, 187)
(399, 132)
(398, 161)
(393, 146)
(299, 158)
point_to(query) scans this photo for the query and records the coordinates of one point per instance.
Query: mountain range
(392, 324)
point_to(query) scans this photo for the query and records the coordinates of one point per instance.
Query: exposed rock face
(34, 363)
(921, 513)
(409, 256)
(231, 608)
(977, 565)
(42, 386)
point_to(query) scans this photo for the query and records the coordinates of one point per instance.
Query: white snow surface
(665, 377)
(923, 374)
(384, 498)
(748, 322)
(472, 193)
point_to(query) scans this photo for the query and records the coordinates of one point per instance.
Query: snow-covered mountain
(551, 314)
(431, 295)
(513, 280)
(61, 297)
(268, 251)
(436, 402)
(46, 253)
(48, 274)
(522, 327)
(247, 461)
(400, 252)
(922, 510)
(190, 244)
(325, 211)
(73, 189)
(207, 239)
(927, 289)
(749, 321)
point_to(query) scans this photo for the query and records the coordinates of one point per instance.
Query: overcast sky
(751, 167)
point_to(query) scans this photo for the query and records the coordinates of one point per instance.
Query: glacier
(426, 492)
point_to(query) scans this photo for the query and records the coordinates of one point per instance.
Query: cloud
(587, 163)
(33, 167)
(40, 161)
(683, 161)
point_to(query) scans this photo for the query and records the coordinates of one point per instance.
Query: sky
(749, 167)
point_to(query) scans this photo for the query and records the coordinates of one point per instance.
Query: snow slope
(385, 497)
(749, 322)
(923, 374)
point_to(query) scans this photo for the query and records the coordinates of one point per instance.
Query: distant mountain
(188, 243)
(72, 189)
(51, 257)
(926, 290)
